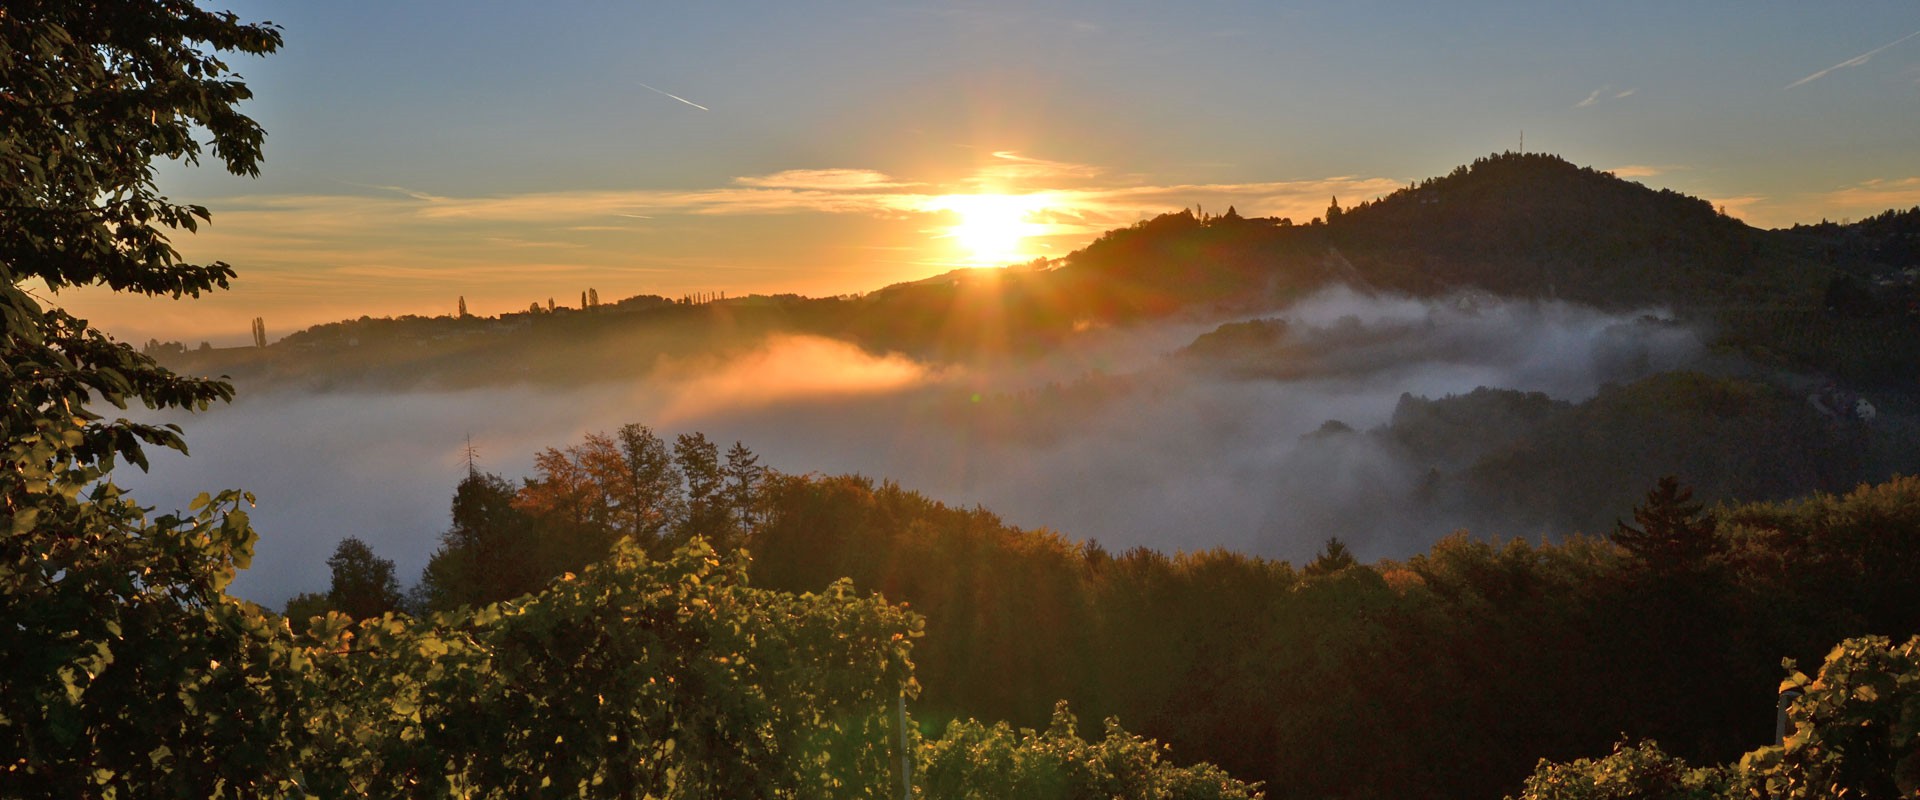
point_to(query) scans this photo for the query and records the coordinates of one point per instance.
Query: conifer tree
(1332, 559)
(1673, 533)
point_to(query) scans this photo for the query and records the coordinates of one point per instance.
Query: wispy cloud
(389, 249)
(1878, 194)
(1604, 94)
(1851, 62)
(1087, 202)
(674, 96)
(1641, 170)
(849, 179)
(1010, 170)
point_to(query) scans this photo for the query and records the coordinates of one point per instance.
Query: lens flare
(993, 228)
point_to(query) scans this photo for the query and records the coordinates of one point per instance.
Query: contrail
(679, 98)
(1851, 62)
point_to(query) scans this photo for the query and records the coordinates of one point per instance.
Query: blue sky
(511, 152)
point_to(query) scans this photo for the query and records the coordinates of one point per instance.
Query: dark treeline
(1449, 674)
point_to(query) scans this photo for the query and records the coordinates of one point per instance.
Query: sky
(508, 153)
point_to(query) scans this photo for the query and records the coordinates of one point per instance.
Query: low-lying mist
(1120, 437)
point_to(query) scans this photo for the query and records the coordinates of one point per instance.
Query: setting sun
(992, 227)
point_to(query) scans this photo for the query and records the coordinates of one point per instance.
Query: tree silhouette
(1673, 532)
(487, 555)
(1332, 559)
(745, 478)
(363, 584)
(708, 512)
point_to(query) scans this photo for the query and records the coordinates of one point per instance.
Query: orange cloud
(847, 179)
(1878, 194)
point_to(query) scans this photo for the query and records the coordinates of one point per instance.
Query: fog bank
(1113, 438)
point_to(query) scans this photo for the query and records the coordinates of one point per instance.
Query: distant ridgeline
(1837, 299)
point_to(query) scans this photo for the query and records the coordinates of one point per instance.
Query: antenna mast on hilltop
(1523, 141)
(473, 458)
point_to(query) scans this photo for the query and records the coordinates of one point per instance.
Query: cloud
(311, 258)
(849, 179)
(1851, 62)
(351, 219)
(1605, 93)
(785, 370)
(1640, 171)
(1877, 194)
(1010, 171)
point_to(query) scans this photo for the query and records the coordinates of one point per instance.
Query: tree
(488, 554)
(645, 486)
(641, 676)
(744, 477)
(1674, 534)
(124, 666)
(305, 606)
(1334, 558)
(363, 584)
(708, 513)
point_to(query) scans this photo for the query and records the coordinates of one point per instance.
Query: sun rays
(993, 229)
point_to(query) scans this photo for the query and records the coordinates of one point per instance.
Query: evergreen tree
(1673, 533)
(1332, 559)
(488, 554)
(708, 513)
(744, 479)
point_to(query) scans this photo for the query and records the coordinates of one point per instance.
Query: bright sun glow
(992, 227)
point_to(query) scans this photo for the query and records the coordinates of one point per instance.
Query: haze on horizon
(769, 148)
(1110, 437)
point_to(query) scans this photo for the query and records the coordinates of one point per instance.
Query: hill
(1836, 299)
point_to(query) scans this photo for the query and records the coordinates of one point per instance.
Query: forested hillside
(1446, 674)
